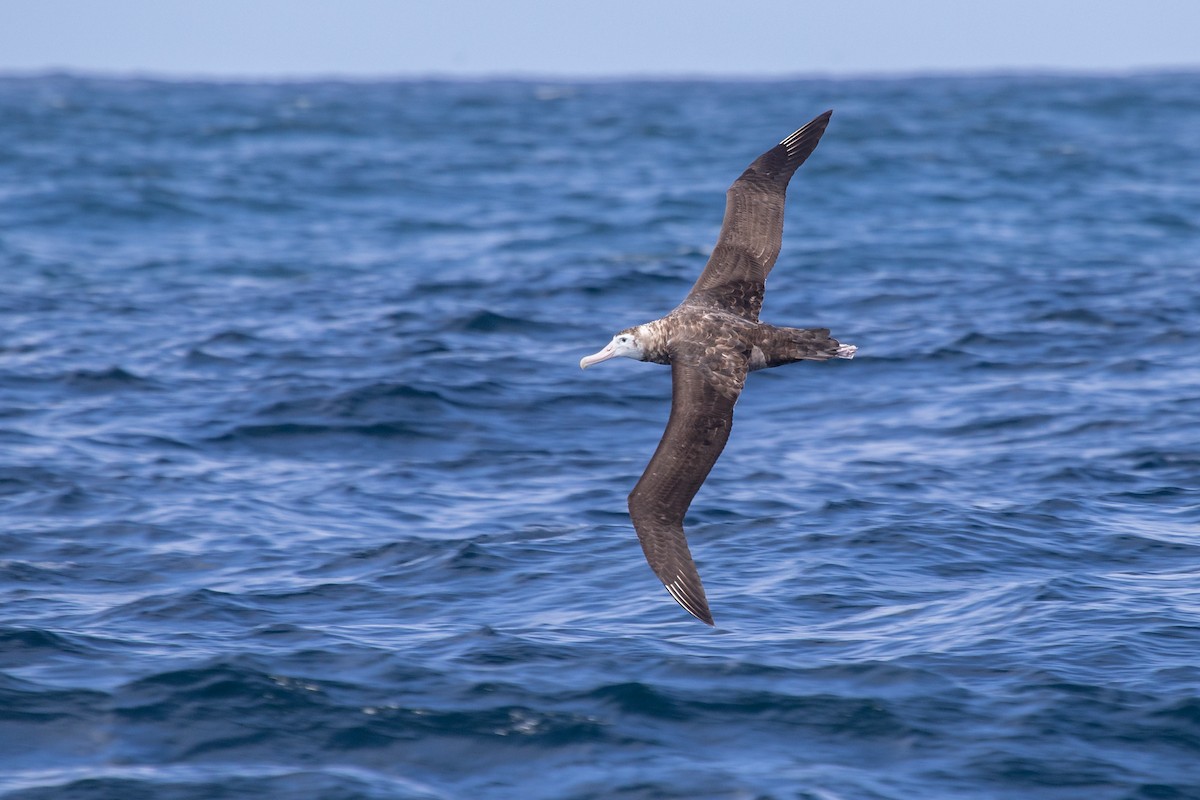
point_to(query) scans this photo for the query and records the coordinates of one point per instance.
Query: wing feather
(702, 401)
(752, 231)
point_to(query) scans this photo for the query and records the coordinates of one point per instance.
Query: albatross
(712, 340)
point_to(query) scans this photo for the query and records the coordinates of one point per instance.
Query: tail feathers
(788, 345)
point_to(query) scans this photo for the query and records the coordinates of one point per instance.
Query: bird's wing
(703, 393)
(752, 231)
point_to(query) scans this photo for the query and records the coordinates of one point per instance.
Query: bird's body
(759, 344)
(712, 340)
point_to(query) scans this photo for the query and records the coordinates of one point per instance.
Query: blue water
(305, 496)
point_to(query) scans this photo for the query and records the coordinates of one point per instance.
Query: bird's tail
(786, 345)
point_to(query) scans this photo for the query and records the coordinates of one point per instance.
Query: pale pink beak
(608, 352)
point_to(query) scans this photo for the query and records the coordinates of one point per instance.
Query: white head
(624, 344)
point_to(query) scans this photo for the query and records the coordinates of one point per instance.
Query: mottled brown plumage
(712, 340)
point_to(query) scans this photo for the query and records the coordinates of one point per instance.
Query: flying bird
(712, 340)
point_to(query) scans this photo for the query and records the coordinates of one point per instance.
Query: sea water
(303, 494)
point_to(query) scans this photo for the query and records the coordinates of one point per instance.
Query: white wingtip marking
(790, 141)
(700, 612)
(674, 590)
(847, 351)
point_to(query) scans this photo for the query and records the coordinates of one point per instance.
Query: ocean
(304, 495)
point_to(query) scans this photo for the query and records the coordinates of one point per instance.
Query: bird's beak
(604, 355)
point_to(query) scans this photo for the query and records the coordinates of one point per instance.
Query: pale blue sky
(279, 38)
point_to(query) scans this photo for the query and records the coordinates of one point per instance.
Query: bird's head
(628, 343)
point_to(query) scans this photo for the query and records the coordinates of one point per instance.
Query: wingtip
(696, 606)
(817, 123)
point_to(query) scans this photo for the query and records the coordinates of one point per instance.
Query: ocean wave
(305, 494)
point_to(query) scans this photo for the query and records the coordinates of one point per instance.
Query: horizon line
(520, 76)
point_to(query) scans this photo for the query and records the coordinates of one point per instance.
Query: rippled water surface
(305, 496)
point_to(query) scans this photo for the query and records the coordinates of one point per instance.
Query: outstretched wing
(703, 394)
(752, 232)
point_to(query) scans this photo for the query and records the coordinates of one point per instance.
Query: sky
(594, 38)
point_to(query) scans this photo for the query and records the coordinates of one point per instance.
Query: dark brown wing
(702, 400)
(752, 232)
